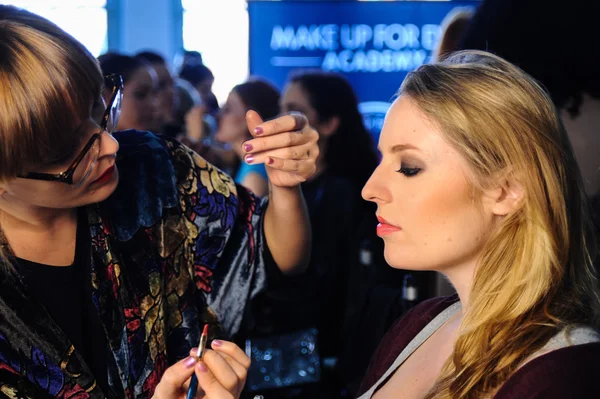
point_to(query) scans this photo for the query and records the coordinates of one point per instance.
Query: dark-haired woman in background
(165, 90)
(336, 293)
(139, 104)
(262, 97)
(202, 78)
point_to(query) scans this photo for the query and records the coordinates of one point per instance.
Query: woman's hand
(286, 145)
(221, 374)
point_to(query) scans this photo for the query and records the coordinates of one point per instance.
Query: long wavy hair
(535, 274)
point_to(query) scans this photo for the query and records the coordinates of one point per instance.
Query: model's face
(430, 216)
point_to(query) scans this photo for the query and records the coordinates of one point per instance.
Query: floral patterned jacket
(176, 246)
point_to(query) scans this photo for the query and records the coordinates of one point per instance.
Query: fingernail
(250, 159)
(190, 361)
(248, 147)
(217, 343)
(202, 367)
(270, 161)
(194, 352)
(258, 130)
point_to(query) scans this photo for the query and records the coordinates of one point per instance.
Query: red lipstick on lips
(384, 228)
(105, 176)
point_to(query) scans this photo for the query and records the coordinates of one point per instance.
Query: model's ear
(506, 196)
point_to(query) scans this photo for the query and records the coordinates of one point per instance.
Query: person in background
(484, 187)
(348, 294)
(202, 78)
(258, 95)
(187, 58)
(562, 60)
(110, 265)
(187, 99)
(453, 27)
(180, 111)
(196, 129)
(165, 90)
(139, 104)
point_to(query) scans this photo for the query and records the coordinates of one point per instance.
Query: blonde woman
(478, 181)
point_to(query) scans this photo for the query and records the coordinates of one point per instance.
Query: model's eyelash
(408, 171)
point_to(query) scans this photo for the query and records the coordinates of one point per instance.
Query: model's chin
(401, 257)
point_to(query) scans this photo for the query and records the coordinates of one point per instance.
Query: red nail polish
(190, 362)
(271, 161)
(247, 147)
(217, 343)
(258, 131)
(202, 367)
(249, 159)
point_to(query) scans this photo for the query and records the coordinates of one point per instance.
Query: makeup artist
(112, 263)
(478, 181)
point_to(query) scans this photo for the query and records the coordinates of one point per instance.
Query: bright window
(86, 20)
(219, 31)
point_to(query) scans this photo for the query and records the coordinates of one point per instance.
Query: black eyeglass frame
(67, 175)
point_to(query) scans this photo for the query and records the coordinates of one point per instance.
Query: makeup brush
(194, 383)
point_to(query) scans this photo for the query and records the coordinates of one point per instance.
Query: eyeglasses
(82, 166)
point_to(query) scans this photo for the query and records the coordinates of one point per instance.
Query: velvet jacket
(175, 246)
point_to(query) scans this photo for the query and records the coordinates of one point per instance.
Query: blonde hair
(48, 83)
(535, 274)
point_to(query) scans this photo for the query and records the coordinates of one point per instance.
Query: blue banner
(374, 44)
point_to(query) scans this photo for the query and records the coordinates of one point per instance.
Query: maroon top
(571, 372)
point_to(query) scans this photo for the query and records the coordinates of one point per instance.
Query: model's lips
(104, 177)
(384, 227)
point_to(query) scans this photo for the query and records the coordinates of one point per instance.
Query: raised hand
(286, 145)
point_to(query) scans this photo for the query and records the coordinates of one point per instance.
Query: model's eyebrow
(401, 147)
